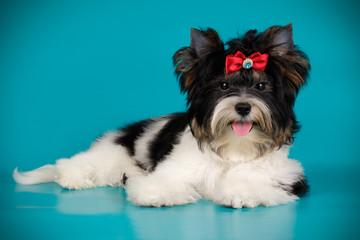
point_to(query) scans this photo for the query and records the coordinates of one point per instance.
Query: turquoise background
(71, 70)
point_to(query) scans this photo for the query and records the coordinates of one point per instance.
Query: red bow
(236, 62)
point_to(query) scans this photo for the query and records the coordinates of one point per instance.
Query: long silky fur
(200, 71)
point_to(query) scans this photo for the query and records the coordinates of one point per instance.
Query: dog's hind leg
(104, 164)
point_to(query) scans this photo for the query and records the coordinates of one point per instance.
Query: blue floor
(46, 211)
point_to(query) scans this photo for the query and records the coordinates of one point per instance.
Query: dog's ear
(281, 39)
(187, 60)
(294, 63)
(204, 42)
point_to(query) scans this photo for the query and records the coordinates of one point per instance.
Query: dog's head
(241, 94)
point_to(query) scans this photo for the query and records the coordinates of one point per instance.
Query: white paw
(237, 198)
(73, 176)
(238, 202)
(143, 192)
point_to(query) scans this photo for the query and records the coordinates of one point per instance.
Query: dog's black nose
(243, 109)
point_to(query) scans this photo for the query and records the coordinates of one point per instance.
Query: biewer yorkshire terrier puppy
(230, 146)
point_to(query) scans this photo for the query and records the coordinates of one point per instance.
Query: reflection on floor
(46, 211)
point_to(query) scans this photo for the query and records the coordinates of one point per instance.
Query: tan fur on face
(220, 137)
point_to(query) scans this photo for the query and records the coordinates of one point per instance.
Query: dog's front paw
(146, 192)
(238, 202)
(253, 197)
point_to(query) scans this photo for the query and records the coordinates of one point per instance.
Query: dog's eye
(260, 86)
(224, 86)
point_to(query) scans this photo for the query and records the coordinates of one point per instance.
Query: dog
(230, 146)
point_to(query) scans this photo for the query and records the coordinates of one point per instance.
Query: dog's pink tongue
(241, 128)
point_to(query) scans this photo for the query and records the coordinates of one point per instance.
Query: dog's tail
(43, 174)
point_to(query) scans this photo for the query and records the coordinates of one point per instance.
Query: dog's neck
(232, 148)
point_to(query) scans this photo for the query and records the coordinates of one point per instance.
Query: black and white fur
(183, 157)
